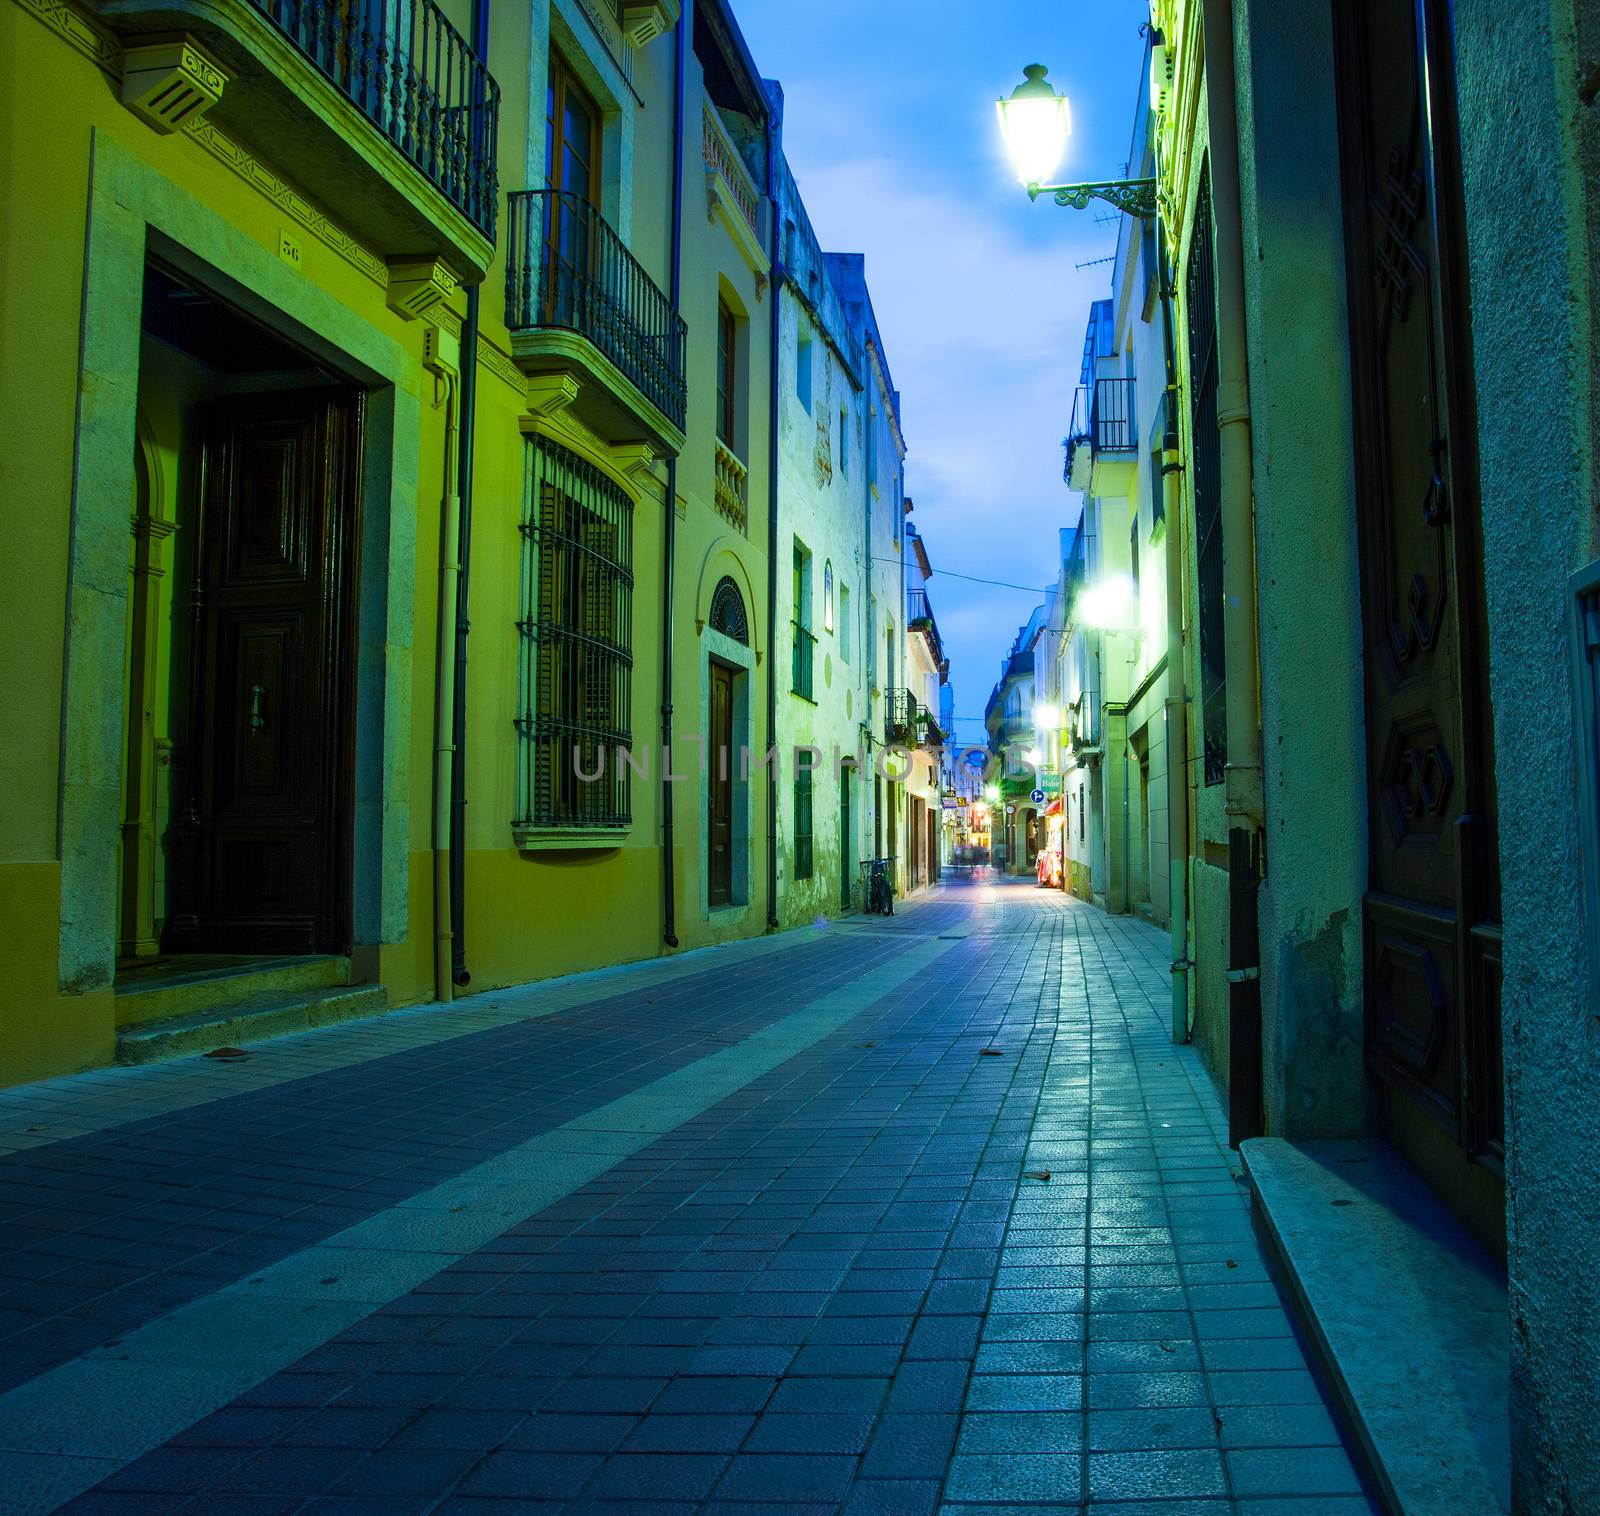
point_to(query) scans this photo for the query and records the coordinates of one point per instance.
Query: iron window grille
(805, 659)
(1206, 446)
(803, 860)
(575, 664)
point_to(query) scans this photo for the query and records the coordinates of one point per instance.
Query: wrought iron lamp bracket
(1134, 197)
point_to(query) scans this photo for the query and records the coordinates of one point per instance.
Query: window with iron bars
(802, 823)
(1206, 450)
(575, 665)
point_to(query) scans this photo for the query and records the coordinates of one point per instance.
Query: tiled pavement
(749, 1231)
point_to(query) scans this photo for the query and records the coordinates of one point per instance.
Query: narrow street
(889, 1216)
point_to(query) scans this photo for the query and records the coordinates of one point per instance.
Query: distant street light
(1035, 122)
(1046, 718)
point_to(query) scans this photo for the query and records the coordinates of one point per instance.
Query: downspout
(669, 528)
(444, 683)
(1244, 801)
(459, 974)
(774, 133)
(1177, 700)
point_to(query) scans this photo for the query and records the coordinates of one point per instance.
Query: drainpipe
(458, 769)
(1244, 802)
(1177, 700)
(444, 683)
(669, 529)
(774, 136)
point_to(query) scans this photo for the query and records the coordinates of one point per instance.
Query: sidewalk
(747, 1230)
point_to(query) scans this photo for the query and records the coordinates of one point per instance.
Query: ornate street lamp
(1035, 122)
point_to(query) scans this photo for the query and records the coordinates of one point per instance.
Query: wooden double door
(720, 761)
(262, 834)
(1432, 906)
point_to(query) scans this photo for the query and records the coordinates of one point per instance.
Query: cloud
(889, 128)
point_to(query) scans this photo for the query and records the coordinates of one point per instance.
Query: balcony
(1103, 444)
(380, 110)
(731, 195)
(909, 723)
(919, 621)
(731, 487)
(805, 663)
(580, 307)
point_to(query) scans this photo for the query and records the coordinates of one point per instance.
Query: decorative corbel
(417, 285)
(170, 83)
(549, 395)
(645, 20)
(633, 459)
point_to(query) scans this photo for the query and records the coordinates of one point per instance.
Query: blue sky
(890, 129)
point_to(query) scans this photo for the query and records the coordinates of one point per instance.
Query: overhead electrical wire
(1005, 584)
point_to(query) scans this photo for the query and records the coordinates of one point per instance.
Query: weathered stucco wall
(1308, 582)
(1529, 211)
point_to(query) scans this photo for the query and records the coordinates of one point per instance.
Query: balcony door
(572, 173)
(1432, 906)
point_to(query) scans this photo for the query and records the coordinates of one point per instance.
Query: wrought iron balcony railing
(566, 268)
(907, 722)
(805, 661)
(1103, 415)
(919, 618)
(414, 77)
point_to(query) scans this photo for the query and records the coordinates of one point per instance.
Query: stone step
(241, 1025)
(190, 985)
(1406, 1313)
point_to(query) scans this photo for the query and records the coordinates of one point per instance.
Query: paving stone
(1017, 1476)
(1292, 1471)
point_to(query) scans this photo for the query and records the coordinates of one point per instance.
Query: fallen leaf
(1042, 1174)
(1341, 1202)
(1232, 1264)
(989, 1052)
(228, 1053)
(866, 1044)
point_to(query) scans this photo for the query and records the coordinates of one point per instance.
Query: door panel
(1431, 919)
(847, 865)
(719, 888)
(263, 835)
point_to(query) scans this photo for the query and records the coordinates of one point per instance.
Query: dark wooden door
(263, 837)
(847, 863)
(1432, 910)
(719, 890)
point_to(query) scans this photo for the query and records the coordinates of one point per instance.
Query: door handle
(258, 719)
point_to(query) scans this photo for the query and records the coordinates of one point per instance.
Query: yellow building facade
(292, 485)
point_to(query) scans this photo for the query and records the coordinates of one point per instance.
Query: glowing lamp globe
(1035, 122)
(1112, 604)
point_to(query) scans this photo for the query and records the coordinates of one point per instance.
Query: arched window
(827, 597)
(727, 611)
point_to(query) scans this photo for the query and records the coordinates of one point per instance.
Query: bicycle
(879, 890)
